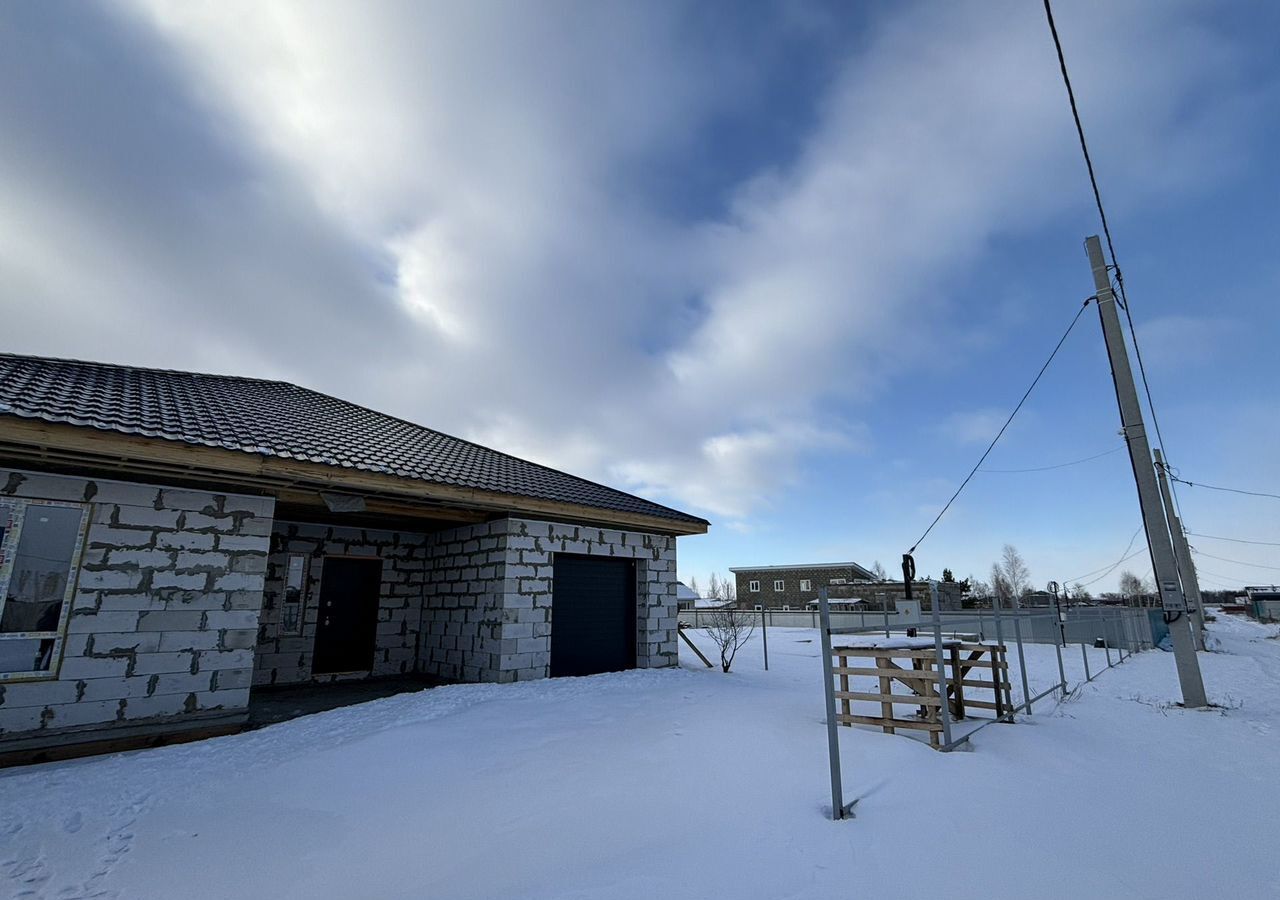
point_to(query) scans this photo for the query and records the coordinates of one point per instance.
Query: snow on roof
(836, 565)
(890, 643)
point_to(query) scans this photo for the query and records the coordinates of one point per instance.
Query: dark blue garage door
(593, 615)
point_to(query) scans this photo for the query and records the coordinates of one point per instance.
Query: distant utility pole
(1186, 566)
(1144, 473)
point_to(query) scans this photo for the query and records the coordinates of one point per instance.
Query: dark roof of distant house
(277, 419)
(869, 575)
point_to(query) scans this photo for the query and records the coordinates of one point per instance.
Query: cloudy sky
(784, 265)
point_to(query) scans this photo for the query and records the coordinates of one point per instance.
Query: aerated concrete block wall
(165, 614)
(489, 606)
(462, 611)
(285, 658)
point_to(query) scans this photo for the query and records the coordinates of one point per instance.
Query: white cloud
(974, 427)
(442, 210)
(1174, 342)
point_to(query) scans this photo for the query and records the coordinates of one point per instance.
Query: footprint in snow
(73, 823)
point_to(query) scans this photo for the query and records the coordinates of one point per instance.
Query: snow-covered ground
(683, 783)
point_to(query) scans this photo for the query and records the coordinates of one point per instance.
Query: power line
(1116, 566)
(1107, 570)
(1123, 557)
(1238, 562)
(1218, 537)
(1000, 433)
(1058, 466)
(1084, 146)
(1106, 230)
(1220, 577)
(1214, 487)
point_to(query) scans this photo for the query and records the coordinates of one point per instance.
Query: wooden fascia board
(91, 441)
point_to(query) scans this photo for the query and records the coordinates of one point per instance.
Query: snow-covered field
(683, 783)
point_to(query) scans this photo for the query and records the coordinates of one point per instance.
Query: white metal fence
(1128, 628)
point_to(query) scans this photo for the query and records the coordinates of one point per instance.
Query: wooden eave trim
(171, 455)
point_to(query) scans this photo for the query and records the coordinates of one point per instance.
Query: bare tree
(1010, 577)
(693, 585)
(1079, 592)
(723, 589)
(878, 571)
(1133, 586)
(729, 629)
(1000, 588)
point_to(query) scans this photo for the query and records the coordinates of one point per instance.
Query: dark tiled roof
(273, 418)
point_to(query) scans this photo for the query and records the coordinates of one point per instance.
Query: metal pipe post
(1022, 662)
(829, 689)
(764, 632)
(995, 614)
(1106, 639)
(944, 710)
(1084, 653)
(1062, 672)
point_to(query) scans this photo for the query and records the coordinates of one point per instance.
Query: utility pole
(1186, 566)
(1144, 474)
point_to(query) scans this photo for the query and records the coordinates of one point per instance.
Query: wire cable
(1107, 570)
(1219, 576)
(1218, 537)
(1214, 487)
(1000, 433)
(1058, 466)
(1238, 562)
(1106, 231)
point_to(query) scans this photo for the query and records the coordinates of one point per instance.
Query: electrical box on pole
(1144, 474)
(1182, 551)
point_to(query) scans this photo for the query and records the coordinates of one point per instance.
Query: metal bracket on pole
(1182, 555)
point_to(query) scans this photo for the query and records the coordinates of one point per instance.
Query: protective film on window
(295, 589)
(39, 551)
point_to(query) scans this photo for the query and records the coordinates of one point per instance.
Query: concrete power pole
(1144, 473)
(1186, 565)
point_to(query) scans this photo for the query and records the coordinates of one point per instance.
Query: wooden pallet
(915, 669)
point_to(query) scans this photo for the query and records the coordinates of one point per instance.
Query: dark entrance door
(593, 615)
(347, 629)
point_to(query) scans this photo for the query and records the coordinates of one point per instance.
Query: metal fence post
(1106, 638)
(943, 710)
(764, 632)
(885, 604)
(1022, 662)
(995, 614)
(1084, 653)
(1057, 648)
(829, 689)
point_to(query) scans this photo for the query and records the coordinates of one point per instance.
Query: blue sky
(784, 265)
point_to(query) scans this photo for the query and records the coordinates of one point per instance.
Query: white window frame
(839, 581)
(786, 607)
(759, 608)
(806, 584)
(753, 587)
(8, 550)
(779, 585)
